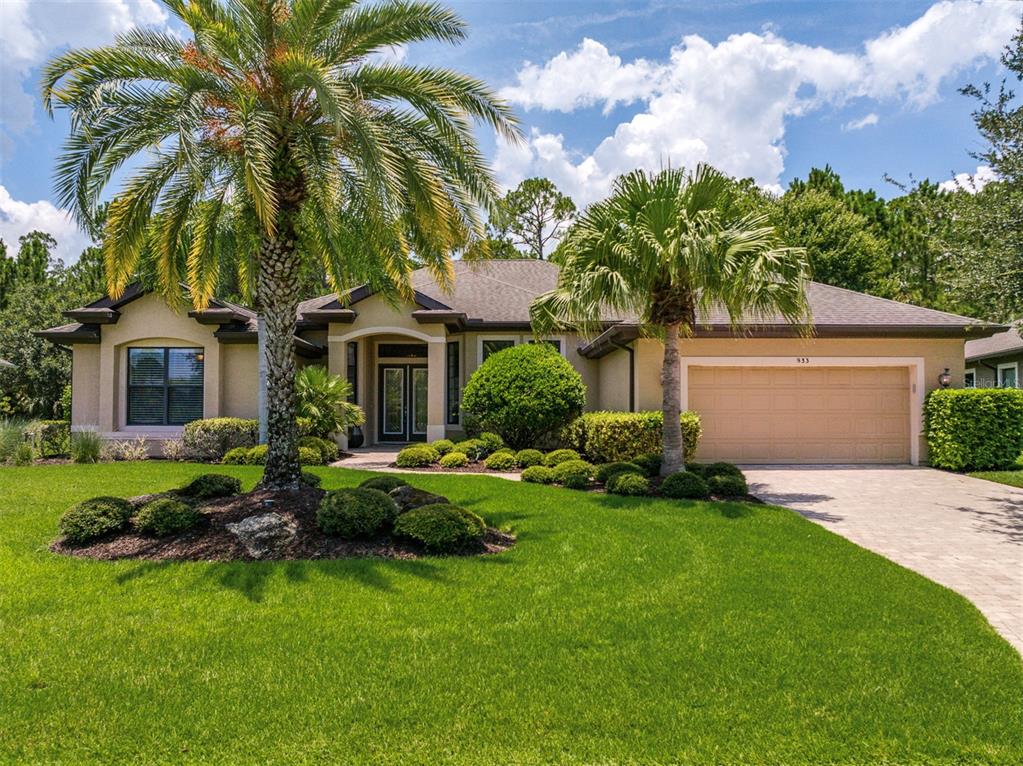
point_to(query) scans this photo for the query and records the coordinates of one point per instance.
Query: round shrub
(684, 485)
(698, 468)
(359, 512)
(473, 449)
(559, 456)
(440, 528)
(491, 441)
(328, 450)
(605, 471)
(720, 469)
(728, 486)
(309, 456)
(211, 439)
(501, 461)
(236, 456)
(257, 455)
(310, 479)
(384, 483)
(524, 393)
(454, 460)
(628, 484)
(443, 446)
(165, 516)
(528, 457)
(94, 518)
(417, 456)
(574, 474)
(650, 463)
(538, 474)
(212, 485)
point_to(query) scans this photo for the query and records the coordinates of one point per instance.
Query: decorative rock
(264, 534)
(407, 498)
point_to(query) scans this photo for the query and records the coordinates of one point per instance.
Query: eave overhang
(93, 315)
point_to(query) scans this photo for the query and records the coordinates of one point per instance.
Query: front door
(402, 402)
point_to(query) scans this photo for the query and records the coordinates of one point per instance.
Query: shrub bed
(165, 516)
(356, 513)
(417, 456)
(559, 456)
(473, 449)
(974, 428)
(94, 518)
(727, 486)
(441, 528)
(628, 483)
(454, 460)
(528, 457)
(606, 437)
(605, 471)
(538, 474)
(501, 461)
(574, 474)
(212, 485)
(685, 485)
(443, 446)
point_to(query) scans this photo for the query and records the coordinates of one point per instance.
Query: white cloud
(862, 122)
(984, 175)
(18, 218)
(728, 104)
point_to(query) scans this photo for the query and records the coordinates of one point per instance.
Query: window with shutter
(165, 386)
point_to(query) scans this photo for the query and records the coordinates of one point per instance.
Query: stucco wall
(240, 391)
(986, 369)
(614, 381)
(85, 386)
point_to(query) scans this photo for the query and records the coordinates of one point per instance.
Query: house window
(970, 379)
(352, 369)
(493, 346)
(453, 389)
(1008, 375)
(164, 386)
(402, 350)
(555, 342)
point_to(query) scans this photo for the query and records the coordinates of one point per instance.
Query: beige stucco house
(853, 393)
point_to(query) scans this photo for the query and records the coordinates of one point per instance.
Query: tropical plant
(323, 399)
(275, 134)
(662, 247)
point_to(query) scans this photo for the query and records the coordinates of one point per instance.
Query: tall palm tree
(660, 248)
(282, 130)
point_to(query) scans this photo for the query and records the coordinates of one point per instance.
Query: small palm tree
(279, 133)
(660, 248)
(323, 400)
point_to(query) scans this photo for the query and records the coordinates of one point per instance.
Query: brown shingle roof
(1007, 342)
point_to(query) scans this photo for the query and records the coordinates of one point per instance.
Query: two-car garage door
(802, 414)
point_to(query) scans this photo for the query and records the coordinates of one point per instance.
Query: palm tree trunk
(277, 289)
(671, 404)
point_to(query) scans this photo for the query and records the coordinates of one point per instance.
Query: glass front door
(402, 402)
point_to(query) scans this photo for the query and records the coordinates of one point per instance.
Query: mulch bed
(211, 540)
(471, 468)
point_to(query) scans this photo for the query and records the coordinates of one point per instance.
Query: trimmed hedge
(501, 461)
(94, 518)
(491, 442)
(165, 516)
(454, 460)
(538, 474)
(574, 474)
(559, 456)
(358, 512)
(440, 528)
(685, 485)
(417, 456)
(210, 439)
(974, 428)
(473, 449)
(607, 437)
(443, 446)
(524, 393)
(628, 483)
(528, 457)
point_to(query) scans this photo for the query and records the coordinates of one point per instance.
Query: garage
(802, 414)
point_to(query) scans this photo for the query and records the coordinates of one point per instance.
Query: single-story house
(995, 361)
(853, 393)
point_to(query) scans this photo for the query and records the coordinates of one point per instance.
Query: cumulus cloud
(18, 218)
(984, 175)
(862, 122)
(728, 103)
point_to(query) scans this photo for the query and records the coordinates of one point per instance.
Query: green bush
(491, 441)
(384, 483)
(443, 446)
(574, 474)
(354, 513)
(211, 439)
(697, 468)
(322, 400)
(606, 437)
(473, 449)
(236, 456)
(649, 463)
(708, 470)
(629, 483)
(501, 461)
(309, 456)
(49, 437)
(524, 393)
(974, 428)
(441, 528)
(23, 454)
(211, 485)
(559, 456)
(310, 479)
(256, 455)
(727, 486)
(86, 447)
(165, 516)
(417, 456)
(538, 474)
(328, 450)
(94, 518)
(685, 485)
(528, 457)
(606, 470)
(454, 460)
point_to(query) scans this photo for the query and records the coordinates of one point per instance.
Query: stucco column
(337, 364)
(108, 371)
(435, 389)
(212, 368)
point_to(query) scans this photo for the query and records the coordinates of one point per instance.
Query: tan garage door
(802, 414)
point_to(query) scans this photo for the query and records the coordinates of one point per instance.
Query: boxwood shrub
(473, 449)
(606, 470)
(309, 456)
(454, 460)
(384, 483)
(606, 437)
(94, 518)
(236, 456)
(356, 512)
(211, 439)
(440, 528)
(727, 486)
(717, 469)
(974, 428)
(212, 485)
(491, 441)
(649, 463)
(685, 485)
(524, 393)
(501, 461)
(528, 457)
(628, 483)
(165, 516)
(574, 474)
(328, 450)
(538, 474)
(417, 456)
(443, 446)
(256, 455)
(559, 456)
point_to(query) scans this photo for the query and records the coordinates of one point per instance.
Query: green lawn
(617, 630)
(1013, 477)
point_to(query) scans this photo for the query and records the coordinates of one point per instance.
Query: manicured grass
(1013, 477)
(617, 630)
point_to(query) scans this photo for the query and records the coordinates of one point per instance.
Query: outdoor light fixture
(945, 379)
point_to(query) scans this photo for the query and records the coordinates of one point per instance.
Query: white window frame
(970, 371)
(1014, 366)
(561, 339)
(515, 339)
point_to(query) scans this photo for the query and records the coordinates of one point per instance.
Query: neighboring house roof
(999, 344)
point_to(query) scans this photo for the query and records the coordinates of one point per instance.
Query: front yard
(617, 629)
(1013, 476)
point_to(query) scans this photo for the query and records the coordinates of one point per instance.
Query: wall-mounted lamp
(945, 379)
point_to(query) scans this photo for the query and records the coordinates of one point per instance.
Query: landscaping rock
(407, 498)
(264, 534)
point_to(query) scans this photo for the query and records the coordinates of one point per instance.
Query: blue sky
(763, 89)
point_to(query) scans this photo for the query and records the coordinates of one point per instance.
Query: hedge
(210, 439)
(608, 437)
(49, 437)
(974, 428)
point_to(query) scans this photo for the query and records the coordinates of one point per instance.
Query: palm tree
(281, 132)
(661, 248)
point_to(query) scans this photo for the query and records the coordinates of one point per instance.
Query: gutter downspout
(632, 372)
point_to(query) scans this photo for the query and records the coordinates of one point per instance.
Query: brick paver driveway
(961, 532)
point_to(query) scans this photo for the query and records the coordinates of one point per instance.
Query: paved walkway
(964, 533)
